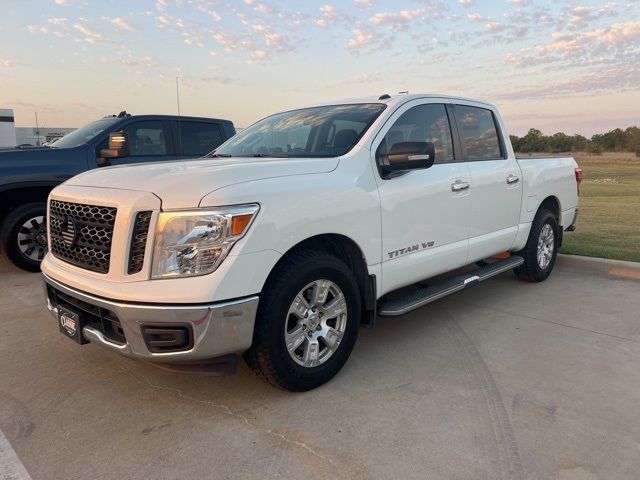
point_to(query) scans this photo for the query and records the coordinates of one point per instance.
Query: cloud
(229, 41)
(494, 27)
(331, 16)
(121, 24)
(397, 20)
(361, 38)
(8, 63)
(467, 3)
(61, 22)
(582, 15)
(163, 21)
(364, 3)
(364, 78)
(89, 35)
(277, 41)
(476, 17)
(603, 45)
(259, 56)
(62, 2)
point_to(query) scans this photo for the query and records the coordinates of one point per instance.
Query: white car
(299, 230)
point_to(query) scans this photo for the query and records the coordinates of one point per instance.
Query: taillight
(578, 172)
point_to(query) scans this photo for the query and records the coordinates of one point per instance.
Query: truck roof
(399, 98)
(169, 117)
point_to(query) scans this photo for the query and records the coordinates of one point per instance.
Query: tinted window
(327, 131)
(424, 123)
(478, 132)
(199, 138)
(146, 138)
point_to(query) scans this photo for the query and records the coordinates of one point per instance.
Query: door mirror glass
(118, 147)
(405, 156)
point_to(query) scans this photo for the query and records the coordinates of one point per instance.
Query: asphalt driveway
(507, 380)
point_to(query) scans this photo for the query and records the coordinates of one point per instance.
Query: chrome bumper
(217, 329)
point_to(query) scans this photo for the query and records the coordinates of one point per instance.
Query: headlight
(196, 242)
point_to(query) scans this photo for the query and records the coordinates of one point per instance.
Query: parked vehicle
(298, 230)
(27, 175)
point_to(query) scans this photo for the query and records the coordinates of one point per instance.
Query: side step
(416, 299)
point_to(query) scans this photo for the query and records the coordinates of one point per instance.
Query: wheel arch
(12, 196)
(552, 204)
(347, 250)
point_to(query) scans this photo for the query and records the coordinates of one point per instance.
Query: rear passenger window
(199, 138)
(146, 139)
(424, 123)
(479, 132)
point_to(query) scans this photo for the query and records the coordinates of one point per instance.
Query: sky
(571, 66)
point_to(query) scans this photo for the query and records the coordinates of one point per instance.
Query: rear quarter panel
(548, 177)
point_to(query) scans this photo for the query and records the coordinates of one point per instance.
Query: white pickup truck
(297, 231)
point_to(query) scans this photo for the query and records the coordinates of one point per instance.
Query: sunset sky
(555, 65)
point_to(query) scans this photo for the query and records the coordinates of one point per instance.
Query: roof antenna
(37, 130)
(386, 96)
(179, 128)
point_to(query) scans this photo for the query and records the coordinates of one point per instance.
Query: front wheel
(541, 249)
(24, 235)
(307, 321)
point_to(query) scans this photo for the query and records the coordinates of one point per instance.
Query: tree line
(617, 140)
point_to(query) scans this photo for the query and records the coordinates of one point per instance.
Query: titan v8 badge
(411, 249)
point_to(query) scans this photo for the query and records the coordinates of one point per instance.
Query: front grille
(81, 234)
(99, 318)
(139, 241)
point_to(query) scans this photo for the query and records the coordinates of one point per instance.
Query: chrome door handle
(511, 179)
(459, 185)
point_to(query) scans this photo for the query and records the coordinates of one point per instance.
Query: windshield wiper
(219, 155)
(272, 155)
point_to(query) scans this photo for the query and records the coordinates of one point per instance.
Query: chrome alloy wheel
(315, 323)
(546, 244)
(32, 238)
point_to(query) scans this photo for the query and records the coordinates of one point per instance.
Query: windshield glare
(328, 131)
(83, 134)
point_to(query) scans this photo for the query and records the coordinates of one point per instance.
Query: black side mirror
(405, 156)
(118, 147)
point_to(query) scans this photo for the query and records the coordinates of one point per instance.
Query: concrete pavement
(507, 380)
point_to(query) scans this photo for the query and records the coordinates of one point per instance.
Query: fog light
(167, 339)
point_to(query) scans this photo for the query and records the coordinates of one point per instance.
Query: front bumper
(216, 329)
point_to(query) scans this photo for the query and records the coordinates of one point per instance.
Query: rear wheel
(307, 321)
(541, 250)
(24, 236)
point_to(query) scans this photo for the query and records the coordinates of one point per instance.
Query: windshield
(328, 131)
(83, 134)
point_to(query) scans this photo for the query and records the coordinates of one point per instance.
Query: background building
(10, 135)
(34, 136)
(7, 128)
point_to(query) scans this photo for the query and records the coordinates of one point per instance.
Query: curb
(615, 268)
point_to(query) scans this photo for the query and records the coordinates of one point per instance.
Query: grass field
(609, 220)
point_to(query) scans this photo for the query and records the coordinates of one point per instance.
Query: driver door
(425, 213)
(148, 141)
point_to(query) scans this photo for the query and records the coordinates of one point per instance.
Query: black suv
(28, 175)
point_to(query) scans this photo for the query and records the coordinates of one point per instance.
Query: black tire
(530, 270)
(11, 228)
(269, 355)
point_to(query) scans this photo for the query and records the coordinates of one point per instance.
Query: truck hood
(182, 184)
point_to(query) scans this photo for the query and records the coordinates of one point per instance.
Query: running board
(420, 298)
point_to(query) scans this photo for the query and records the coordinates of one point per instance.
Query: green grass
(609, 220)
